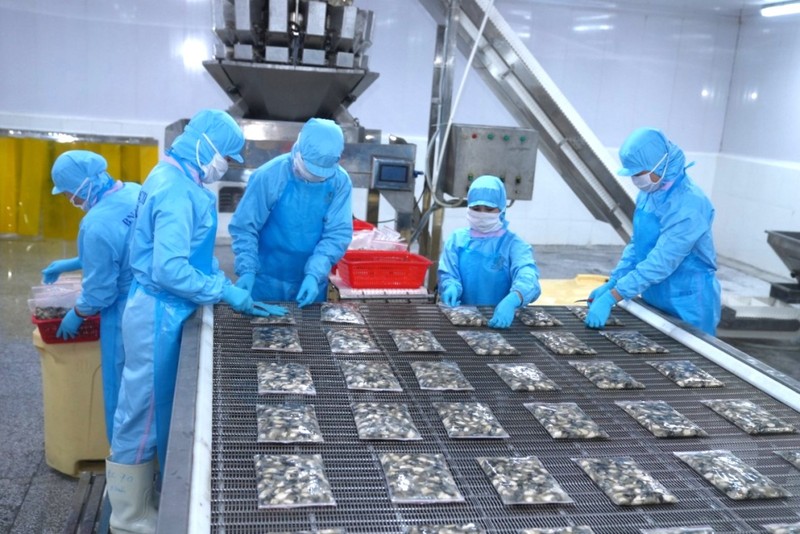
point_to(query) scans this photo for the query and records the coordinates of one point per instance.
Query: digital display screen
(393, 173)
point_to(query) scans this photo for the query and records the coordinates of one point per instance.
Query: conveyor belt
(357, 479)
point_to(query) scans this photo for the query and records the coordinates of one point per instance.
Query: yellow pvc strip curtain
(27, 207)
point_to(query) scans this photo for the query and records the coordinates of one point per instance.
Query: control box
(508, 153)
(392, 173)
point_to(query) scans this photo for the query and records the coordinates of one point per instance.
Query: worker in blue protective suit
(103, 243)
(295, 219)
(670, 259)
(486, 264)
(174, 270)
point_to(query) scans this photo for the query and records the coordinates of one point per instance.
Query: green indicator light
(506, 137)
(490, 136)
(523, 139)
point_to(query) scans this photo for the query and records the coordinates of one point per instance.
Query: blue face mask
(484, 222)
(299, 168)
(216, 168)
(85, 196)
(643, 181)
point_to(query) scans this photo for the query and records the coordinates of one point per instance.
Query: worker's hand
(449, 296)
(238, 298)
(69, 325)
(246, 282)
(599, 310)
(269, 309)
(309, 290)
(261, 309)
(600, 290)
(504, 311)
(51, 273)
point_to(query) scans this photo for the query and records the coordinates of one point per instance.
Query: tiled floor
(36, 499)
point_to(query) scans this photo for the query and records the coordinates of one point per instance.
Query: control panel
(392, 173)
(508, 153)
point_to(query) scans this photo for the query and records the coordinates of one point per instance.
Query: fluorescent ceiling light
(63, 138)
(784, 8)
(592, 27)
(193, 51)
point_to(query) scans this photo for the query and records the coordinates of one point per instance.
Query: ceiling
(719, 6)
(709, 7)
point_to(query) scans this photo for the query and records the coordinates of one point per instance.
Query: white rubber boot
(130, 491)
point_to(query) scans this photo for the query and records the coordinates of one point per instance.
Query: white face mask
(299, 168)
(85, 204)
(484, 222)
(216, 168)
(643, 181)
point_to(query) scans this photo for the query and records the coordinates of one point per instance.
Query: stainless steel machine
(787, 246)
(773, 319)
(283, 62)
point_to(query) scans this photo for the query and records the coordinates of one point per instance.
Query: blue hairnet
(321, 143)
(489, 191)
(645, 148)
(72, 168)
(220, 128)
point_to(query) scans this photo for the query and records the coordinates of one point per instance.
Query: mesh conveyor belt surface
(357, 479)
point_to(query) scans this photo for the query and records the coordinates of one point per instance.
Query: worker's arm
(448, 272)
(337, 230)
(626, 263)
(250, 217)
(680, 230)
(524, 273)
(175, 219)
(101, 267)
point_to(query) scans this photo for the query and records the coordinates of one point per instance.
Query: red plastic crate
(358, 225)
(378, 269)
(89, 330)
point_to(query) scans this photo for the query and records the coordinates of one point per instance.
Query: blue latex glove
(69, 325)
(238, 298)
(309, 290)
(599, 310)
(504, 311)
(608, 286)
(51, 273)
(449, 296)
(262, 309)
(246, 282)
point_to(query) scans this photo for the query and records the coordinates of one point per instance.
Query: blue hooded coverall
(671, 258)
(174, 269)
(286, 228)
(486, 269)
(103, 245)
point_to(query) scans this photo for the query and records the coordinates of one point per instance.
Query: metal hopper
(290, 60)
(289, 92)
(787, 246)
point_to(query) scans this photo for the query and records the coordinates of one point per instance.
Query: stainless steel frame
(187, 496)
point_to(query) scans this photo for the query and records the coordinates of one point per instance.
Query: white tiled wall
(764, 108)
(757, 186)
(752, 196)
(640, 69)
(116, 68)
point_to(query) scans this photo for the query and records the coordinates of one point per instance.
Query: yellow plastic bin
(74, 420)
